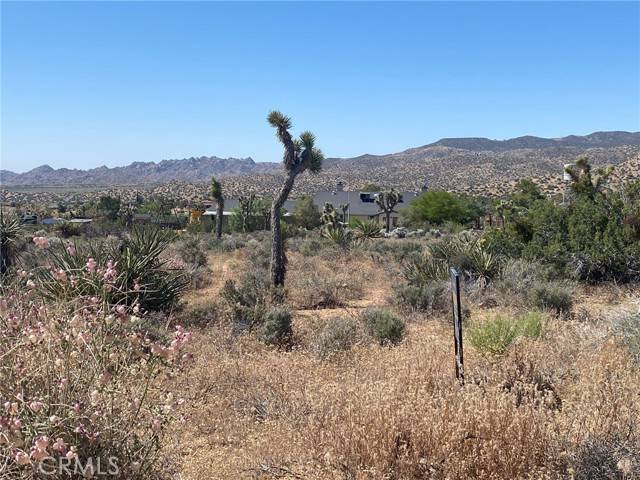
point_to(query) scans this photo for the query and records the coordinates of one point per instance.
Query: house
(361, 205)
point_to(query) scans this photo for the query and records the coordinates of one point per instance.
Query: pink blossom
(71, 250)
(60, 446)
(60, 275)
(42, 442)
(21, 458)
(36, 406)
(64, 383)
(71, 453)
(41, 242)
(54, 419)
(110, 272)
(91, 265)
(31, 284)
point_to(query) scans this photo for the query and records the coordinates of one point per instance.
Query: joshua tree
(299, 155)
(387, 202)
(246, 209)
(216, 194)
(583, 182)
(333, 226)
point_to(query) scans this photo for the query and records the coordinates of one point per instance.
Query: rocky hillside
(468, 165)
(187, 169)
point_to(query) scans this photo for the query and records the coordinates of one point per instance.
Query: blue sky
(87, 84)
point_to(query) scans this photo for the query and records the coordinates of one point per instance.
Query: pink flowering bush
(129, 272)
(82, 381)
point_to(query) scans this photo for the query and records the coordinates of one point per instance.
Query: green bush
(551, 296)
(384, 326)
(338, 334)
(494, 336)
(530, 324)
(438, 207)
(199, 315)
(192, 251)
(276, 328)
(247, 300)
(628, 331)
(433, 297)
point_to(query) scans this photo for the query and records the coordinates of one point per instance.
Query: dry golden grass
(397, 413)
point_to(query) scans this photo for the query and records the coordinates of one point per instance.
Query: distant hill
(455, 163)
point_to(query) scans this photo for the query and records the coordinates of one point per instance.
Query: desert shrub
(432, 297)
(337, 334)
(468, 253)
(627, 329)
(226, 244)
(259, 254)
(494, 336)
(199, 315)
(130, 271)
(315, 287)
(309, 247)
(605, 457)
(276, 328)
(530, 324)
(551, 296)
(399, 250)
(519, 276)
(192, 251)
(67, 230)
(80, 381)
(246, 301)
(199, 277)
(384, 326)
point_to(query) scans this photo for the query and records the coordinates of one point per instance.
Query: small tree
(216, 194)
(387, 201)
(246, 209)
(583, 182)
(299, 155)
(306, 213)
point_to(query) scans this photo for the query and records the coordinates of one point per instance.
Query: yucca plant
(421, 269)
(10, 231)
(129, 272)
(366, 229)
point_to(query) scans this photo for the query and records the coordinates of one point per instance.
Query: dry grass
(397, 412)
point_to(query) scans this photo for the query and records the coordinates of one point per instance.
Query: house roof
(360, 203)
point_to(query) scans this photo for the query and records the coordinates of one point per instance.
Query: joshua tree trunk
(278, 257)
(388, 221)
(298, 156)
(219, 214)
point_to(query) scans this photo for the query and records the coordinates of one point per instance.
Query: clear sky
(86, 84)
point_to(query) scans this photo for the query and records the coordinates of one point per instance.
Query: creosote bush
(336, 335)
(276, 328)
(551, 296)
(384, 326)
(433, 297)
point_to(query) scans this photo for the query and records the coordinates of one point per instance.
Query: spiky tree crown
(216, 189)
(300, 153)
(387, 200)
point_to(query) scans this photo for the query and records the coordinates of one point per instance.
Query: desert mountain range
(463, 164)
